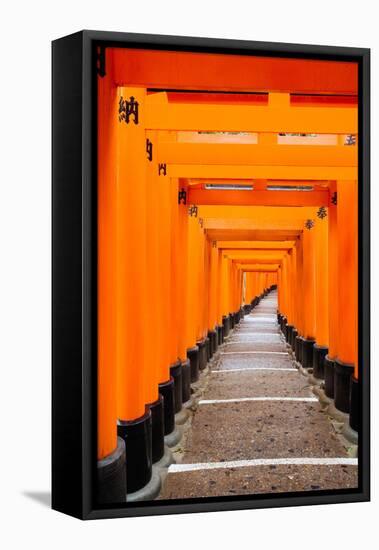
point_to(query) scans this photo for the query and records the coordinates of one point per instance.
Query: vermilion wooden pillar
(201, 325)
(111, 478)
(166, 294)
(207, 267)
(294, 297)
(333, 285)
(175, 297)
(346, 364)
(213, 295)
(131, 284)
(153, 347)
(291, 322)
(299, 299)
(192, 294)
(286, 289)
(182, 288)
(320, 348)
(219, 297)
(309, 293)
(280, 291)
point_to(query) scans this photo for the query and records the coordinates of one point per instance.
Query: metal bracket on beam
(182, 197)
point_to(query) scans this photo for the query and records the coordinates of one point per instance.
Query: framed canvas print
(210, 274)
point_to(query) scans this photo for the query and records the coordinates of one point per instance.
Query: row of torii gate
(205, 202)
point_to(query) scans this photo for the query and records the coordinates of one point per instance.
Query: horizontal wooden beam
(238, 254)
(255, 245)
(313, 173)
(250, 118)
(253, 234)
(256, 260)
(166, 69)
(258, 155)
(258, 213)
(258, 198)
(258, 267)
(251, 224)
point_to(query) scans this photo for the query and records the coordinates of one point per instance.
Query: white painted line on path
(240, 399)
(173, 468)
(254, 352)
(293, 369)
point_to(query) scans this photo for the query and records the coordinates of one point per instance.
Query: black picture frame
(74, 253)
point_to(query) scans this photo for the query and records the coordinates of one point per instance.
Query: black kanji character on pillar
(128, 108)
(309, 224)
(149, 150)
(162, 169)
(193, 210)
(321, 213)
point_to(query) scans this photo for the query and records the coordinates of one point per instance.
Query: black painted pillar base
(232, 320)
(219, 335)
(166, 389)
(193, 356)
(279, 317)
(342, 380)
(355, 405)
(202, 354)
(225, 325)
(212, 335)
(137, 435)
(111, 476)
(289, 333)
(319, 354)
(283, 323)
(298, 348)
(307, 353)
(208, 351)
(186, 381)
(157, 429)
(176, 374)
(329, 377)
(293, 341)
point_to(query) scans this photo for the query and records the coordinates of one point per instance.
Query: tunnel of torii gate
(205, 205)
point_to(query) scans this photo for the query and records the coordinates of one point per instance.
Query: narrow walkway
(258, 427)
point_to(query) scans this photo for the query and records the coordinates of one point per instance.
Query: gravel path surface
(254, 363)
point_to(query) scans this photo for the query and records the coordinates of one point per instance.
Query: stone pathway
(258, 427)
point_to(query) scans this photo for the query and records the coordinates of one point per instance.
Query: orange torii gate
(177, 251)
